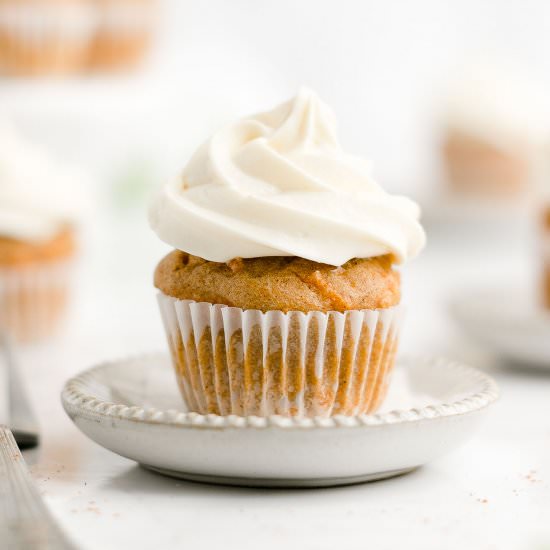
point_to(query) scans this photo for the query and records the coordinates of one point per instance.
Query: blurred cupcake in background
(495, 122)
(543, 219)
(123, 34)
(45, 36)
(40, 206)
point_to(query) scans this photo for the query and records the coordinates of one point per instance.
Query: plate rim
(76, 400)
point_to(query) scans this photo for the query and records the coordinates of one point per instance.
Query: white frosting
(279, 184)
(38, 198)
(499, 105)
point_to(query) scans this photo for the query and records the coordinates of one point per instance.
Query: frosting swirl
(38, 198)
(279, 184)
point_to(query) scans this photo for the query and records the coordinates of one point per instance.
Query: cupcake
(45, 36)
(124, 33)
(37, 238)
(494, 123)
(281, 296)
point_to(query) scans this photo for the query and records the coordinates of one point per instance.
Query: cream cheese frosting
(279, 184)
(38, 197)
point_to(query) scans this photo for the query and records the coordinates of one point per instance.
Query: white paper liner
(33, 299)
(545, 245)
(545, 265)
(246, 362)
(127, 17)
(124, 33)
(49, 37)
(72, 20)
(37, 38)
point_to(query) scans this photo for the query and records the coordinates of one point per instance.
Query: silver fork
(25, 522)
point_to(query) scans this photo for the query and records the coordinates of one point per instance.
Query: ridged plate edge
(76, 396)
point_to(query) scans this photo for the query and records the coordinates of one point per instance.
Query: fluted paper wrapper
(38, 38)
(124, 33)
(33, 299)
(545, 254)
(246, 362)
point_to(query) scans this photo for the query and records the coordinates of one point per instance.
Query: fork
(25, 522)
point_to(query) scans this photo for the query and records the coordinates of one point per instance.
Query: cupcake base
(113, 51)
(124, 33)
(33, 299)
(54, 56)
(245, 362)
(546, 285)
(44, 38)
(476, 168)
(545, 282)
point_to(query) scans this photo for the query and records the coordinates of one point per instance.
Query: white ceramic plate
(508, 323)
(133, 408)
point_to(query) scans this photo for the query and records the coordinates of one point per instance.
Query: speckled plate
(133, 408)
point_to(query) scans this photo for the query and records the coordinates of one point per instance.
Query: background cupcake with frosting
(543, 223)
(41, 202)
(494, 124)
(281, 296)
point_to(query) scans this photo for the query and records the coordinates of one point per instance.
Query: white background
(383, 67)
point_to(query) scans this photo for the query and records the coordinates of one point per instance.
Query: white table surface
(493, 493)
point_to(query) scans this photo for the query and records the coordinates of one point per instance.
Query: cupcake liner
(473, 166)
(545, 267)
(246, 362)
(33, 299)
(42, 37)
(124, 33)
(124, 17)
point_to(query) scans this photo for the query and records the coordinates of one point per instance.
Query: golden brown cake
(284, 283)
(281, 296)
(17, 253)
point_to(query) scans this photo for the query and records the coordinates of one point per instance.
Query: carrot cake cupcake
(281, 296)
(124, 33)
(494, 125)
(37, 238)
(45, 36)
